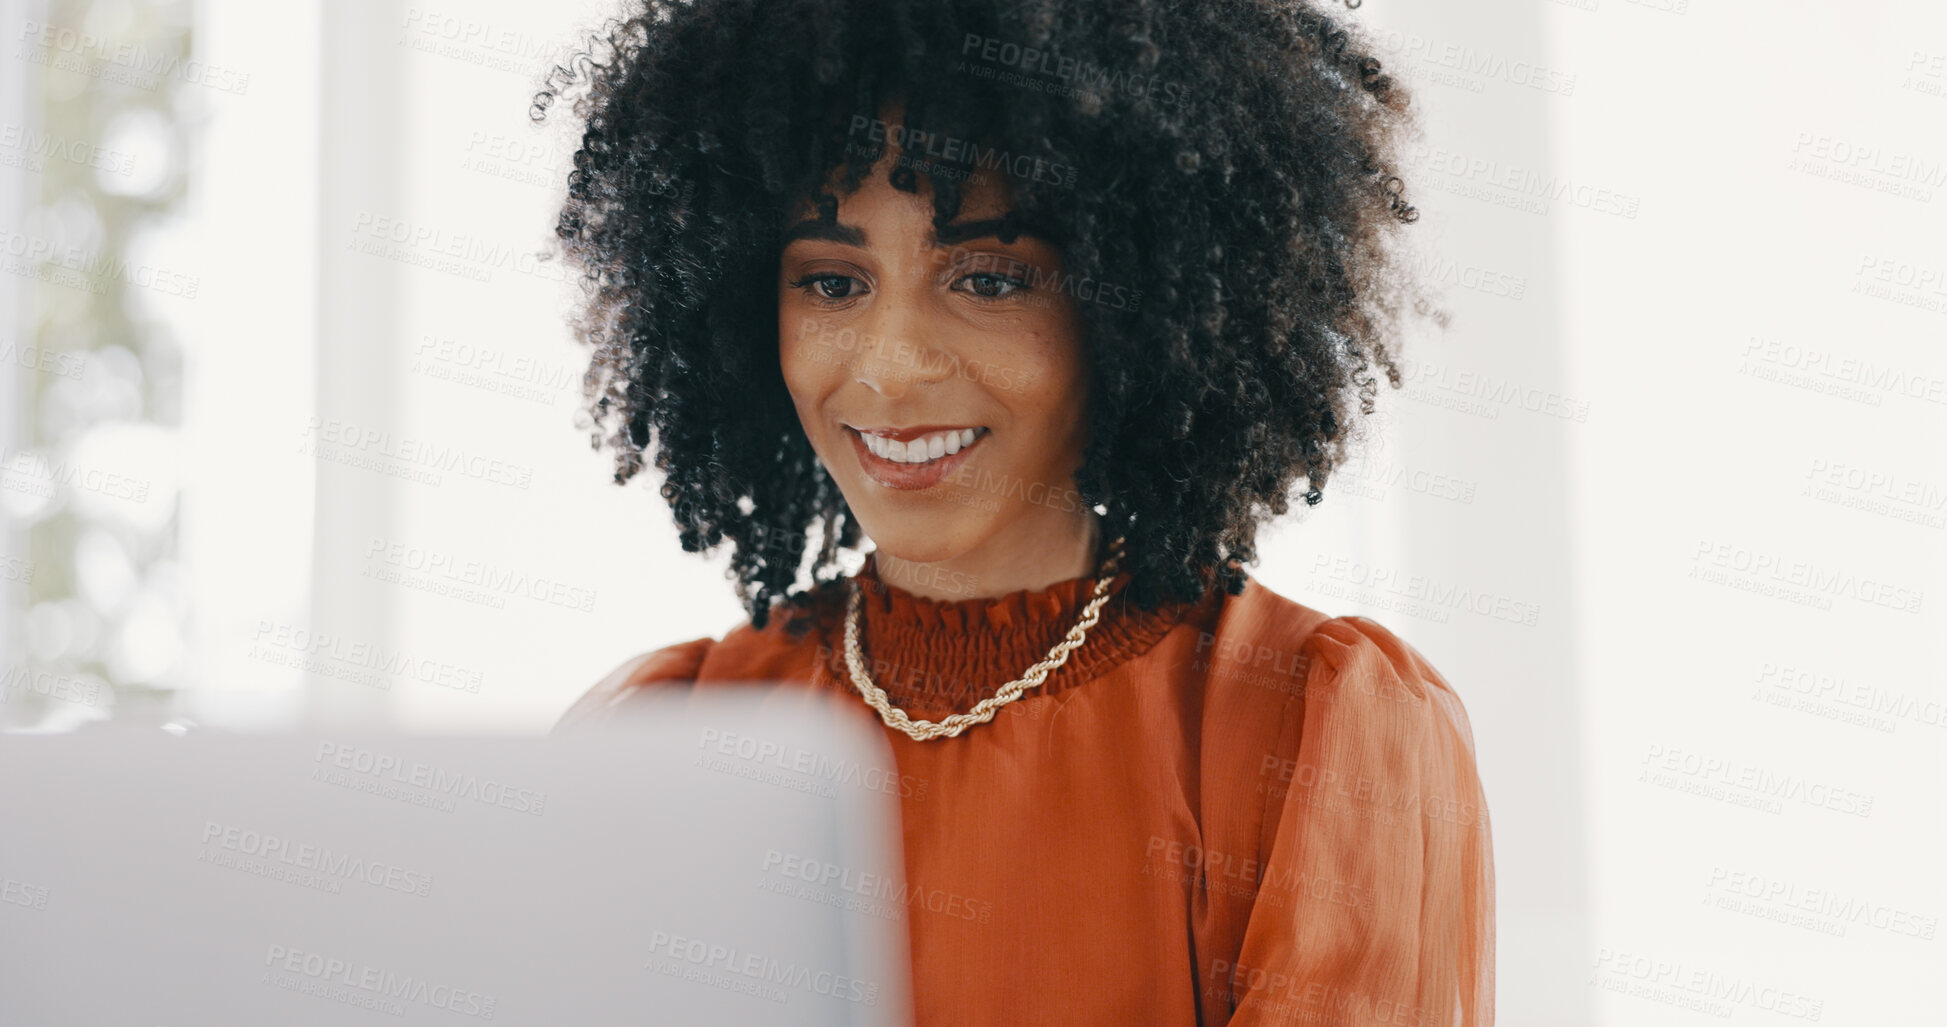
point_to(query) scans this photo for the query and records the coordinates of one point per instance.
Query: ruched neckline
(940, 656)
(1236, 792)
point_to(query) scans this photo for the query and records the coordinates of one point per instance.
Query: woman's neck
(1032, 556)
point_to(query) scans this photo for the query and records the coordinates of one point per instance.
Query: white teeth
(921, 450)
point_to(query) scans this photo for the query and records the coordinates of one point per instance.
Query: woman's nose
(892, 357)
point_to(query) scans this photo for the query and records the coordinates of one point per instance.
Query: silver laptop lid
(701, 858)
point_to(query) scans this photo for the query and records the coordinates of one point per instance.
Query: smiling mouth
(913, 458)
(887, 444)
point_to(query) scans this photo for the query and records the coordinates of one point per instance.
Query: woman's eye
(829, 287)
(992, 285)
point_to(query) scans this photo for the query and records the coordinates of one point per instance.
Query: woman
(1055, 303)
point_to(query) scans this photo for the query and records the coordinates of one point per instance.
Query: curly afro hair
(1235, 170)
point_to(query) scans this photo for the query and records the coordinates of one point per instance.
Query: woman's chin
(919, 538)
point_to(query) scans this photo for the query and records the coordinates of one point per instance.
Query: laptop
(700, 859)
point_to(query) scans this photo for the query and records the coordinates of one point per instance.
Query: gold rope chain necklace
(922, 730)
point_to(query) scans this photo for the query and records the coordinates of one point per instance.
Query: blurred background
(290, 436)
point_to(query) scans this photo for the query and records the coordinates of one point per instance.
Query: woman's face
(940, 380)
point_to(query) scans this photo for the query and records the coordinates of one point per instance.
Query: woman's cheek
(797, 360)
(1049, 374)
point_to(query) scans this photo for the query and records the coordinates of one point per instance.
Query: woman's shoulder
(744, 653)
(680, 662)
(1372, 793)
(1336, 657)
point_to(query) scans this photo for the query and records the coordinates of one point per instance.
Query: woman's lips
(894, 474)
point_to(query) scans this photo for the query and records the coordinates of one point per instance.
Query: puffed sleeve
(1376, 901)
(672, 663)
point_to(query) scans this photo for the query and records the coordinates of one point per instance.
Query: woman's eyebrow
(828, 231)
(989, 227)
(950, 235)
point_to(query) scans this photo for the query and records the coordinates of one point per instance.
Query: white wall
(369, 209)
(1715, 761)
(1761, 557)
(1652, 215)
(1454, 530)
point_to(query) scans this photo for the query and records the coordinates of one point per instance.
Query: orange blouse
(1237, 811)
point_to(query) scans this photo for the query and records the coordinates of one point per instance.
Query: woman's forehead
(985, 209)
